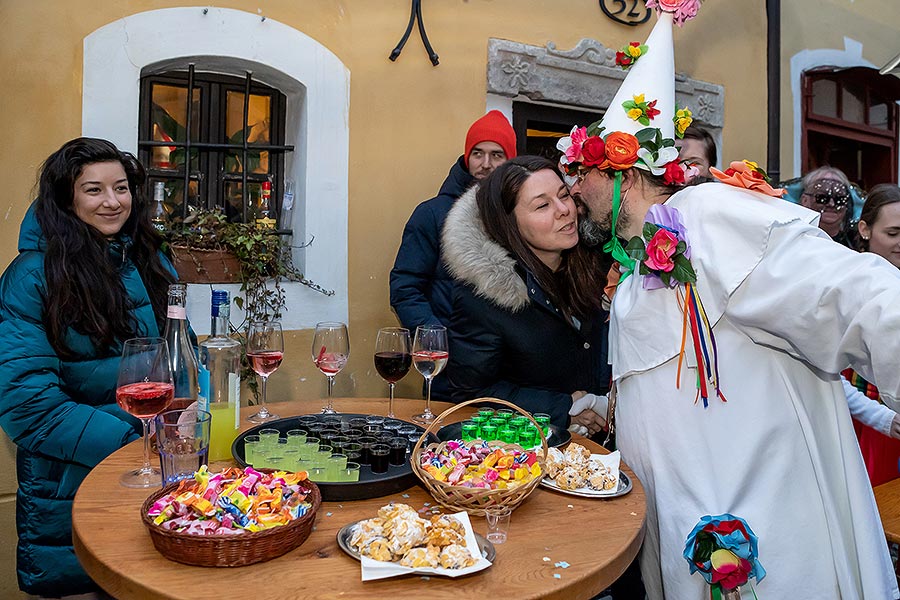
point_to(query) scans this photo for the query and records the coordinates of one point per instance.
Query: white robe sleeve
(867, 411)
(824, 304)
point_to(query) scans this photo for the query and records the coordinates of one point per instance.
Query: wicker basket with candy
(476, 475)
(232, 518)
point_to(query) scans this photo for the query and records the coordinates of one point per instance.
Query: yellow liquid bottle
(220, 382)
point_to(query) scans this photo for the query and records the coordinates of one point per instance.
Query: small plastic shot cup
(350, 472)
(542, 419)
(352, 451)
(506, 413)
(251, 445)
(290, 460)
(379, 457)
(397, 455)
(317, 473)
(296, 438)
(486, 412)
(335, 464)
(269, 437)
(469, 431)
(392, 425)
(488, 432)
(375, 420)
(509, 435)
(497, 518)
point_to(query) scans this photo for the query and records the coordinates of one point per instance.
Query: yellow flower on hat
(638, 98)
(635, 113)
(634, 51)
(683, 119)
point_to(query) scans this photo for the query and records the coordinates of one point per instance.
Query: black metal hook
(415, 14)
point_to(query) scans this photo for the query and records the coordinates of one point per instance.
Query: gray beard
(593, 233)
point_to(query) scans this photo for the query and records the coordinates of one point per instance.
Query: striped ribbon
(704, 343)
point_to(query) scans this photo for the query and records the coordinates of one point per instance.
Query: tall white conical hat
(651, 76)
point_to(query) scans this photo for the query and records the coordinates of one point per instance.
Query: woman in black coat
(527, 325)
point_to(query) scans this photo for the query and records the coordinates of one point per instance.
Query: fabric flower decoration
(724, 550)
(570, 145)
(629, 54)
(675, 173)
(621, 150)
(638, 109)
(682, 10)
(663, 251)
(658, 165)
(748, 175)
(593, 151)
(682, 119)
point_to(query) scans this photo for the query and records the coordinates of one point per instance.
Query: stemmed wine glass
(265, 351)
(330, 351)
(144, 389)
(392, 357)
(430, 354)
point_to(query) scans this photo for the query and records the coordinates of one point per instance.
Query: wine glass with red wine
(144, 389)
(265, 351)
(392, 357)
(330, 351)
(430, 354)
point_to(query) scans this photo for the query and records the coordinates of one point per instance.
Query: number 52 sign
(626, 12)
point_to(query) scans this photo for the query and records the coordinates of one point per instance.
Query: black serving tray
(370, 485)
(558, 436)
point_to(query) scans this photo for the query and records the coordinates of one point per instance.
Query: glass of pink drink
(330, 351)
(265, 351)
(144, 389)
(430, 354)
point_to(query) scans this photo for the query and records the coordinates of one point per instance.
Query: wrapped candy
(479, 465)
(231, 502)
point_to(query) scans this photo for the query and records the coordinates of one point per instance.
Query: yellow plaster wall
(407, 123)
(823, 24)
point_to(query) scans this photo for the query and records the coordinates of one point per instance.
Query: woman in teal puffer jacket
(88, 276)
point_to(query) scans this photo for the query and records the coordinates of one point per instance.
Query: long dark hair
(880, 195)
(577, 286)
(84, 288)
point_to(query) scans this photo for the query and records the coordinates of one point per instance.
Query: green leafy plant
(265, 262)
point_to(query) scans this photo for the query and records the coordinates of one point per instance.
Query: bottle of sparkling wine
(160, 212)
(182, 359)
(220, 381)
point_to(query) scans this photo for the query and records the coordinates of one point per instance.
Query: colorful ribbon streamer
(704, 343)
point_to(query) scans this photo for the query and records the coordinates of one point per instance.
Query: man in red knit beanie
(421, 288)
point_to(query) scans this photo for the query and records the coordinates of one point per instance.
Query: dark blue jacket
(507, 340)
(421, 288)
(61, 414)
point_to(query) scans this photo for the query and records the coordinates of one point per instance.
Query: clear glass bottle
(182, 359)
(220, 380)
(265, 207)
(159, 212)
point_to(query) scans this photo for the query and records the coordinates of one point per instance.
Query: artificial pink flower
(683, 10)
(660, 250)
(578, 137)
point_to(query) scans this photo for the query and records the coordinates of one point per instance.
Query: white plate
(610, 460)
(373, 569)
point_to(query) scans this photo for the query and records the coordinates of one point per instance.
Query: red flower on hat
(593, 151)
(651, 110)
(674, 173)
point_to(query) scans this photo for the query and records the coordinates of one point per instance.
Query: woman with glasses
(826, 190)
(877, 426)
(527, 323)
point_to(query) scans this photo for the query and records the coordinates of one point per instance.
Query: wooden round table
(597, 538)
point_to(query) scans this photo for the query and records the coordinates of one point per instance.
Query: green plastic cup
(469, 431)
(296, 438)
(505, 413)
(269, 437)
(350, 472)
(251, 445)
(489, 432)
(509, 436)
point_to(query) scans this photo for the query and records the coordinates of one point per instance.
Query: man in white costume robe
(789, 309)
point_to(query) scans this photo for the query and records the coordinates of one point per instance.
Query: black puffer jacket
(506, 339)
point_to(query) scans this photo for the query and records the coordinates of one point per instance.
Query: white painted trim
(317, 86)
(850, 56)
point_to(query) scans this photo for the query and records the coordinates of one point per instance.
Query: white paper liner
(375, 569)
(610, 461)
